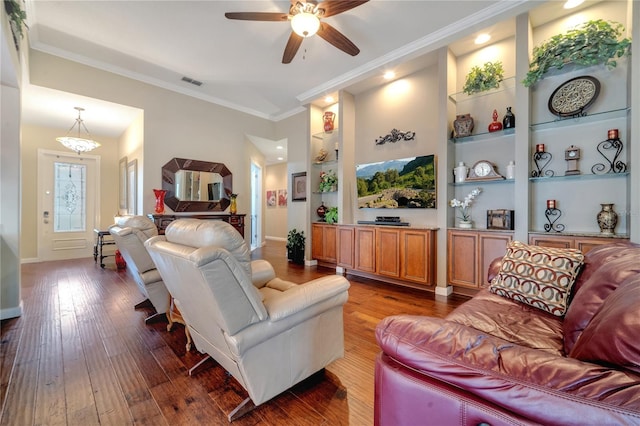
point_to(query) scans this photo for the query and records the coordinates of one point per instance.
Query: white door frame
(91, 222)
(256, 206)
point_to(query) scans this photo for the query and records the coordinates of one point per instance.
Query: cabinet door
(365, 254)
(492, 245)
(462, 265)
(317, 247)
(329, 243)
(346, 247)
(555, 241)
(323, 242)
(417, 256)
(388, 248)
(586, 244)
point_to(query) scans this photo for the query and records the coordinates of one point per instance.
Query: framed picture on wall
(122, 178)
(282, 197)
(299, 186)
(271, 198)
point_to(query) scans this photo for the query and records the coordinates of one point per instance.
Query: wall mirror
(196, 186)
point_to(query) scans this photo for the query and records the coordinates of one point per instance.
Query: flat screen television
(403, 183)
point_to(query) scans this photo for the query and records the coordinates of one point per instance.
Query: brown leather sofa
(500, 362)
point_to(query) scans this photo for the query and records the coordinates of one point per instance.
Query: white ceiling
(239, 62)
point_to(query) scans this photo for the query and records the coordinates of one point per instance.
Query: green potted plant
(328, 181)
(331, 216)
(592, 43)
(295, 246)
(485, 78)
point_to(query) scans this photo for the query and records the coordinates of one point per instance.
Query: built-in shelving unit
(535, 124)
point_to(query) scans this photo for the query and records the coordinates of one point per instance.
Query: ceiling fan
(305, 17)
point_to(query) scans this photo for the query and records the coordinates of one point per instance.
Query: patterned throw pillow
(538, 276)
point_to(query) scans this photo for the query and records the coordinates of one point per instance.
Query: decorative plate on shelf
(573, 97)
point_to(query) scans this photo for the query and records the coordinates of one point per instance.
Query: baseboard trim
(30, 260)
(11, 312)
(275, 238)
(444, 291)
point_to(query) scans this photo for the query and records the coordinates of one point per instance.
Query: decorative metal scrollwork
(542, 160)
(615, 165)
(552, 219)
(396, 135)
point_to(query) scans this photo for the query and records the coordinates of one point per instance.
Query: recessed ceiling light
(279, 147)
(482, 38)
(570, 4)
(329, 99)
(389, 75)
(280, 158)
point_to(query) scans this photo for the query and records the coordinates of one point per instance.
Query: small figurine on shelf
(322, 155)
(495, 125)
(509, 120)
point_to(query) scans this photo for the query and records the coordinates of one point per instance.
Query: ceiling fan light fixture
(305, 24)
(78, 143)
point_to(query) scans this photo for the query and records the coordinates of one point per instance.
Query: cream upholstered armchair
(130, 233)
(268, 333)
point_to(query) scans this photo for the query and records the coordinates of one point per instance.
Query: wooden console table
(163, 220)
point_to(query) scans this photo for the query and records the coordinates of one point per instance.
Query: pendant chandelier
(78, 142)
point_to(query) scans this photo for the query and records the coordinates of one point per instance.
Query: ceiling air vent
(192, 81)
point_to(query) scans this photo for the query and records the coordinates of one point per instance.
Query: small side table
(100, 242)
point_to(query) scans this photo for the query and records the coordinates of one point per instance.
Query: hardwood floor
(81, 355)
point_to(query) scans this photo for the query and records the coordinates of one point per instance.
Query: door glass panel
(69, 209)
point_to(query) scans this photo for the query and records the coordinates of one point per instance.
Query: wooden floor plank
(81, 354)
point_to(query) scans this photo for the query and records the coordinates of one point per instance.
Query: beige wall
(34, 138)
(407, 104)
(131, 145)
(276, 217)
(175, 125)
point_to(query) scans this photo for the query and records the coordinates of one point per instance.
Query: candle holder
(542, 160)
(552, 215)
(612, 143)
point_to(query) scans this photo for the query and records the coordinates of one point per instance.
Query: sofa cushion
(605, 268)
(538, 276)
(611, 338)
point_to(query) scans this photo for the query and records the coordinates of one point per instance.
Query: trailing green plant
(592, 43)
(485, 78)
(331, 216)
(16, 15)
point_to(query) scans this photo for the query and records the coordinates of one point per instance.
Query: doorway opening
(256, 206)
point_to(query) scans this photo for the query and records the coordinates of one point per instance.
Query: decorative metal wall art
(612, 143)
(396, 135)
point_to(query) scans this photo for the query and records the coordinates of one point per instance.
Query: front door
(68, 204)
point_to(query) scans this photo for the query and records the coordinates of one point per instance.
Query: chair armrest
(261, 272)
(300, 297)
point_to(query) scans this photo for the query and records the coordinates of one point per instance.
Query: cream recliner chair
(268, 333)
(130, 233)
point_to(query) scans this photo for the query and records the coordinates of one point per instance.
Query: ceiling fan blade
(292, 48)
(333, 7)
(257, 16)
(337, 39)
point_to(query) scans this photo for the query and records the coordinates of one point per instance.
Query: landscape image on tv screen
(404, 183)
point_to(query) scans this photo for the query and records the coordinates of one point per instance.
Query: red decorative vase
(321, 211)
(160, 193)
(496, 125)
(328, 121)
